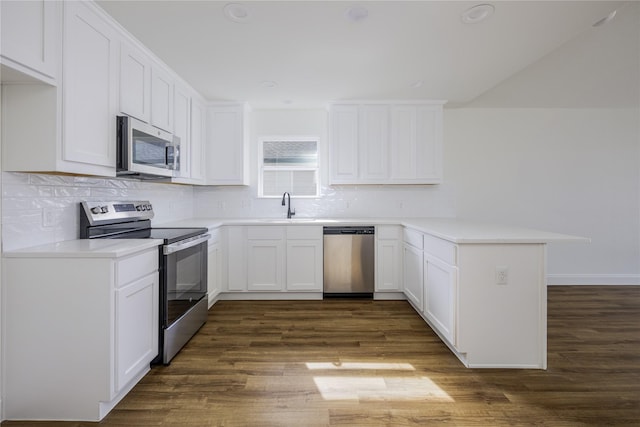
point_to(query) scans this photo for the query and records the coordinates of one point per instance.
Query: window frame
(262, 167)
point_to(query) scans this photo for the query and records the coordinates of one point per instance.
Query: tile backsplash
(42, 208)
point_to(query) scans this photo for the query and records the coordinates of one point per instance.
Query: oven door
(184, 278)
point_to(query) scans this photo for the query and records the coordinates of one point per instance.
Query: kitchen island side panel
(57, 336)
(502, 324)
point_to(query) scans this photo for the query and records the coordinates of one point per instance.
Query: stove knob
(104, 209)
(138, 208)
(96, 210)
(149, 207)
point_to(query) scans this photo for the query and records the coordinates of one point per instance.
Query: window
(288, 165)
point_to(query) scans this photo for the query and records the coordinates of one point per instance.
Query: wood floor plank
(376, 363)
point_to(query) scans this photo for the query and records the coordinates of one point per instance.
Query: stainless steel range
(182, 261)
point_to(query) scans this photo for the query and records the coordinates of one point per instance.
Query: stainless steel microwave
(144, 151)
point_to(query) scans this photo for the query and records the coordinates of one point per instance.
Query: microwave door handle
(176, 158)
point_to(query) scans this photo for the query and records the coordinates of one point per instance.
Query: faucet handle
(293, 211)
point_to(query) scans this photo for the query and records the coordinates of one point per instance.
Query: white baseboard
(593, 279)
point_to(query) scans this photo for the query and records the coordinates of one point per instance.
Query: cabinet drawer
(442, 249)
(413, 238)
(388, 232)
(136, 266)
(266, 232)
(304, 232)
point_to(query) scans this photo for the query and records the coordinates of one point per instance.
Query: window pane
(298, 183)
(291, 153)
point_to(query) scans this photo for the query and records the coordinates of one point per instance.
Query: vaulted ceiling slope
(297, 54)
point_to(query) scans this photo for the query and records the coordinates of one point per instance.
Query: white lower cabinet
(136, 327)
(412, 273)
(389, 258)
(214, 267)
(272, 258)
(265, 258)
(440, 301)
(304, 258)
(77, 344)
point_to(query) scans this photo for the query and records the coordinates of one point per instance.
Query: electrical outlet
(502, 275)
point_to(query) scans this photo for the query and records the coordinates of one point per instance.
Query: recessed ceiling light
(357, 14)
(236, 12)
(268, 84)
(606, 19)
(287, 102)
(477, 13)
(417, 84)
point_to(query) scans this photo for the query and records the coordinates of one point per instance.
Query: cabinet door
(373, 143)
(265, 265)
(182, 128)
(135, 83)
(31, 36)
(227, 151)
(440, 281)
(389, 266)
(304, 265)
(161, 98)
(416, 138)
(236, 256)
(136, 329)
(89, 87)
(214, 271)
(412, 273)
(343, 147)
(197, 155)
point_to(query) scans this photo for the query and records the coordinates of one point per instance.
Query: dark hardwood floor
(366, 363)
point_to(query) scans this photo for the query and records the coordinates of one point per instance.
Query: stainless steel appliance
(182, 265)
(349, 261)
(144, 151)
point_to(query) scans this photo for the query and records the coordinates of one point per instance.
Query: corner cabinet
(385, 143)
(98, 337)
(85, 103)
(227, 145)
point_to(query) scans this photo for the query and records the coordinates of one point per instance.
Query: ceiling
(300, 54)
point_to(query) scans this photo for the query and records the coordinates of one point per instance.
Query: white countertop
(451, 229)
(84, 248)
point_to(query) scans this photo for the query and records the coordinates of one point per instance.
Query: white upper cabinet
(182, 127)
(135, 83)
(416, 138)
(373, 141)
(197, 150)
(31, 34)
(90, 46)
(343, 148)
(227, 145)
(161, 98)
(386, 143)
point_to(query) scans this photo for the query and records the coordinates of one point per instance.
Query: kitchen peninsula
(481, 287)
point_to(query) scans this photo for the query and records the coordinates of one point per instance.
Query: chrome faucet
(290, 212)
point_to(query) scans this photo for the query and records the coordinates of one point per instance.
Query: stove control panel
(110, 212)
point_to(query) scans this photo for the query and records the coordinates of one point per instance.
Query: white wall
(336, 201)
(573, 171)
(39, 208)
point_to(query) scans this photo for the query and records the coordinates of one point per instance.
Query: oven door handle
(185, 244)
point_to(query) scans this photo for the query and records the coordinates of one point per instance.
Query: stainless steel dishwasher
(349, 261)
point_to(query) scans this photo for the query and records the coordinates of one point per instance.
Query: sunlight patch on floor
(359, 366)
(379, 388)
